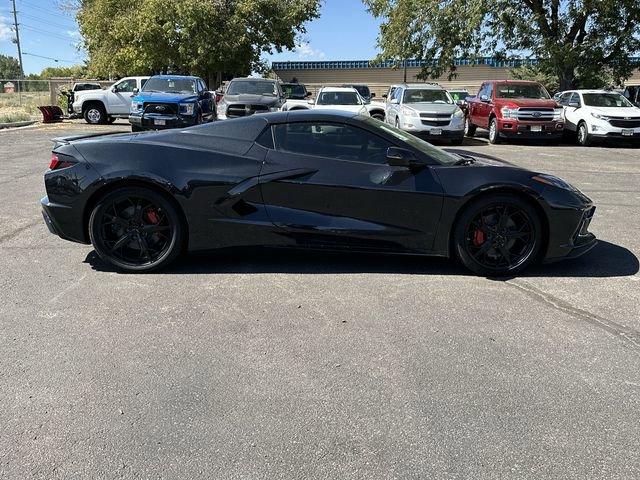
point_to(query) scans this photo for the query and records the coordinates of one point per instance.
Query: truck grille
(624, 122)
(161, 108)
(241, 110)
(435, 119)
(535, 114)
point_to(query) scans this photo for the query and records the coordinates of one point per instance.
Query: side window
(575, 98)
(483, 90)
(489, 88)
(397, 93)
(564, 98)
(142, 82)
(331, 140)
(126, 85)
(265, 139)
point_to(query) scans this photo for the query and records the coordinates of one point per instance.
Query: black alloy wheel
(498, 235)
(135, 230)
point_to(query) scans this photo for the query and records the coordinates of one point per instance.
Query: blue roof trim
(358, 64)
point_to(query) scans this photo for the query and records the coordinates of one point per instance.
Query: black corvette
(306, 179)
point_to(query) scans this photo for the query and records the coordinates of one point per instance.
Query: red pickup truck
(514, 109)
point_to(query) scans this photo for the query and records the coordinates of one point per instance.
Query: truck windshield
(425, 95)
(338, 98)
(605, 100)
(362, 90)
(248, 87)
(294, 90)
(431, 151)
(521, 90)
(170, 85)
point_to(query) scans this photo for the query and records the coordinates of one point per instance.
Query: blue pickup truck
(171, 101)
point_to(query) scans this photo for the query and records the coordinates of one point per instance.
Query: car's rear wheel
(136, 230)
(378, 116)
(469, 128)
(498, 235)
(583, 136)
(494, 134)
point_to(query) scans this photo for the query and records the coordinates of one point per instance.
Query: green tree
(9, 67)
(573, 40)
(75, 71)
(201, 37)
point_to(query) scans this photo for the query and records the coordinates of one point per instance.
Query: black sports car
(306, 179)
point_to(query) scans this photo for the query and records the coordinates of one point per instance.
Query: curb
(17, 124)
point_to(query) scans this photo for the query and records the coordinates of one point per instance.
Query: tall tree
(575, 40)
(9, 67)
(201, 37)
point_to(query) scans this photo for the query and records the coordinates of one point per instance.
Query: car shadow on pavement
(605, 260)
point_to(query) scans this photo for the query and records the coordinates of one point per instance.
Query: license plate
(159, 122)
(627, 132)
(436, 131)
(536, 128)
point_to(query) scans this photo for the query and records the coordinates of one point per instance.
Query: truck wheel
(110, 120)
(469, 128)
(584, 139)
(95, 114)
(494, 136)
(458, 140)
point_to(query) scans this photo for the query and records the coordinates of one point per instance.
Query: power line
(42, 9)
(46, 33)
(44, 20)
(48, 58)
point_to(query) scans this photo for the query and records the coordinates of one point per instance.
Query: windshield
(435, 153)
(425, 95)
(338, 98)
(458, 94)
(521, 90)
(362, 90)
(252, 88)
(294, 90)
(170, 85)
(605, 100)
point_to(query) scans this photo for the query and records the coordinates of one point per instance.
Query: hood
(432, 107)
(251, 99)
(623, 112)
(343, 108)
(528, 102)
(165, 97)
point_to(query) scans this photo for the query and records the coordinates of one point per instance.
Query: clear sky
(345, 30)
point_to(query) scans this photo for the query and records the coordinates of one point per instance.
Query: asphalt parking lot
(246, 365)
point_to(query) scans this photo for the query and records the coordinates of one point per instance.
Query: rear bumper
(61, 220)
(160, 122)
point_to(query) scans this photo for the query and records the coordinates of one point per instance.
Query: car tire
(469, 128)
(95, 114)
(136, 229)
(110, 120)
(378, 116)
(489, 245)
(494, 134)
(457, 140)
(582, 135)
(136, 128)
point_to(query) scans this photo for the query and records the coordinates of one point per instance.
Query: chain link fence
(19, 99)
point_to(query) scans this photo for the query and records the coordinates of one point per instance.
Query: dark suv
(170, 101)
(246, 96)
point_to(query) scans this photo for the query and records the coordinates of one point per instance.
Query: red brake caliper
(478, 237)
(152, 216)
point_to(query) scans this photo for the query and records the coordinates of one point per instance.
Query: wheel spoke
(122, 241)
(504, 251)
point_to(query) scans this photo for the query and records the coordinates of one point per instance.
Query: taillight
(60, 161)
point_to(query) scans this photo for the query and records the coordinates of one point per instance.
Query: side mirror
(459, 102)
(395, 101)
(384, 95)
(400, 157)
(311, 102)
(307, 95)
(373, 95)
(136, 91)
(113, 89)
(484, 98)
(574, 104)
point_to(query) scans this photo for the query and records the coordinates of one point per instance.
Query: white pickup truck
(104, 106)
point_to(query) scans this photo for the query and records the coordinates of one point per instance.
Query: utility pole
(15, 24)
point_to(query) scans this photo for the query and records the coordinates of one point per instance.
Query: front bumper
(513, 128)
(602, 129)
(154, 121)
(443, 135)
(569, 235)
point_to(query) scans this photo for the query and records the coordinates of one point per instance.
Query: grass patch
(14, 117)
(25, 102)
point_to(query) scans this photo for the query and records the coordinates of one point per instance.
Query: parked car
(246, 96)
(340, 98)
(426, 111)
(362, 89)
(170, 101)
(375, 109)
(459, 95)
(599, 114)
(297, 96)
(105, 105)
(306, 179)
(75, 88)
(514, 109)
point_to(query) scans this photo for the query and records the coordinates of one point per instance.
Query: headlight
(509, 112)
(187, 108)
(599, 117)
(274, 109)
(554, 181)
(222, 107)
(409, 112)
(458, 113)
(136, 106)
(558, 113)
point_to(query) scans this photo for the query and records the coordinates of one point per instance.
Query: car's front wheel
(469, 128)
(136, 230)
(498, 235)
(494, 134)
(583, 136)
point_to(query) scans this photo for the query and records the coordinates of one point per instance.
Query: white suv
(426, 111)
(600, 114)
(102, 106)
(340, 98)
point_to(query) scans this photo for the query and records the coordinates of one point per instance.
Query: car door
(394, 105)
(120, 95)
(476, 106)
(328, 183)
(205, 99)
(572, 111)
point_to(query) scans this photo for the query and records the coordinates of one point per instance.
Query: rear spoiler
(59, 141)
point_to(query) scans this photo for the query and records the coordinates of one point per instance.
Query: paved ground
(319, 366)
